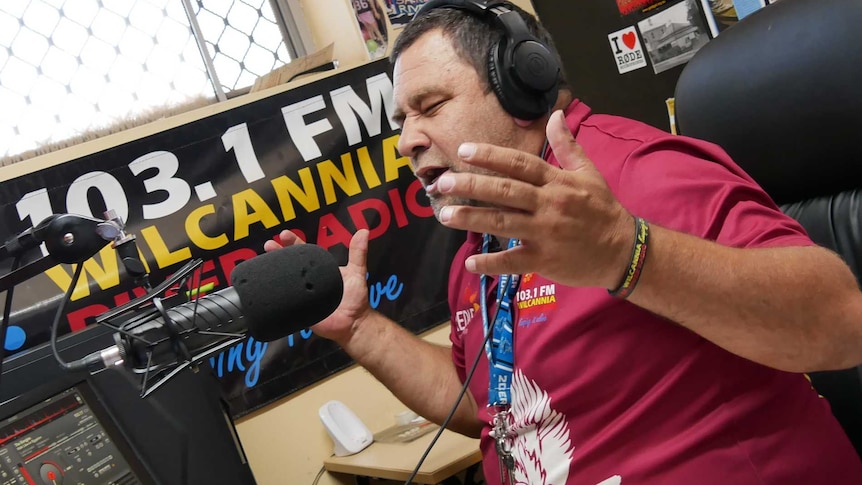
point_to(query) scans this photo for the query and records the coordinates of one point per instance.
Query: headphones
(522, 70)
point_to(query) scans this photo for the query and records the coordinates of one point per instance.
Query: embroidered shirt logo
(535, 303)
(541, 295)
(543, 448)
(463, 317)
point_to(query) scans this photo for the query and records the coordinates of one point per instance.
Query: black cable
(60, 312)
(319, 474)
(7, 313)
(455, 407)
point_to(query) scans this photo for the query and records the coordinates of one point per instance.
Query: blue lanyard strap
(500, 347)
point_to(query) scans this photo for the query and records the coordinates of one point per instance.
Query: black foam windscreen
(287, 290)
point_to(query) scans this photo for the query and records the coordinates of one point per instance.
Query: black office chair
(780, 91)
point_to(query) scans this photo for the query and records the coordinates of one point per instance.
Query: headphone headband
(522, 70)
(476, 6)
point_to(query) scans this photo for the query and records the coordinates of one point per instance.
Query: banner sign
(400, 12)
(320, 159)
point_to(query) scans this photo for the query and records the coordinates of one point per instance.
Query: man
(662, 308)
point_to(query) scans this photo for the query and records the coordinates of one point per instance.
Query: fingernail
(445, 183)
(470, 265)
(564, 128)
(446, 214)
(466, 150)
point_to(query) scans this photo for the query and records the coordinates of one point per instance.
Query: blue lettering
(305, 333)
(254, 356)
(391, 290)
(254, 352)
(234, 355)
(526, 322)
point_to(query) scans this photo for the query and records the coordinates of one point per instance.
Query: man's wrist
(634, 267)
(353, 341)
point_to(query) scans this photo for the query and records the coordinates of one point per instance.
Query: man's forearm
(794, 308)
(419, 373)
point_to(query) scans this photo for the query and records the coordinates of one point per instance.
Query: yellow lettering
(346, 178)
(286, 190)
(197, 235)
(260, 212)
(164, 256)
(106, 276)
(392, 160)
(367, 168)
(642, 232)
(542, 300)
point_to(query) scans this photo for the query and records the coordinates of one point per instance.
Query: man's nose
(413, 139)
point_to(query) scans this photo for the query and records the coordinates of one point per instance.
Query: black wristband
(636, 263)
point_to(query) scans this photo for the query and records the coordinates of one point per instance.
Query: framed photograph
(372, 24)
(674, 35)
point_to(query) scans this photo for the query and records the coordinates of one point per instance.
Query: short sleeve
(694, 187)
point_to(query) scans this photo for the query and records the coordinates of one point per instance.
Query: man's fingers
(500, 222)
(510, 261)
(569, 152)
(358, 254)
(285, 238)
(507, 161)
(499, 191)
(289, 238)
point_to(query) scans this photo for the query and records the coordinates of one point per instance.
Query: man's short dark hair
(472, 36)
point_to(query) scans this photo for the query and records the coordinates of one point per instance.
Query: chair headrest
(780, 92)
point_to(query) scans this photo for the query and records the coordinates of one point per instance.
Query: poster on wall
(674, 35)
(372, 25)
(627, 7)
(401, 11)
(320, 159)
(721, 14)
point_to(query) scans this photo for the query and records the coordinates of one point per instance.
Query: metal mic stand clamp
(133, 322)
(68, 238)
(113, 229)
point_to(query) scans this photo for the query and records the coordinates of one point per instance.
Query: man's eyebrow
(414, 100)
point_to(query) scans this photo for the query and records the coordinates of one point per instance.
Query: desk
(395, 461)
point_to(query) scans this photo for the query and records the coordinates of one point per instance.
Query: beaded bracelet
(639, 252)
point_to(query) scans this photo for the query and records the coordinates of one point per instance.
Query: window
(70, 66)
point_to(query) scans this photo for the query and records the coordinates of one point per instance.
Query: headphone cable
(454, 407)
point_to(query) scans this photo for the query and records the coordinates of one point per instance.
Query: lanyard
(500, 347)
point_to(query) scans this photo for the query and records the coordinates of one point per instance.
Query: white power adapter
(347, 431)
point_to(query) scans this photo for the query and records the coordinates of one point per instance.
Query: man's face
(440, 103)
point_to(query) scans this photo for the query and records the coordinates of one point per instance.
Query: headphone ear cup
(517, 97)
(535, 66)
(494, 78)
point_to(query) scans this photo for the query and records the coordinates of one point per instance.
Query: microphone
(272, 296)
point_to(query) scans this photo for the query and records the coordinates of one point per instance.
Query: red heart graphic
(629, 40)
